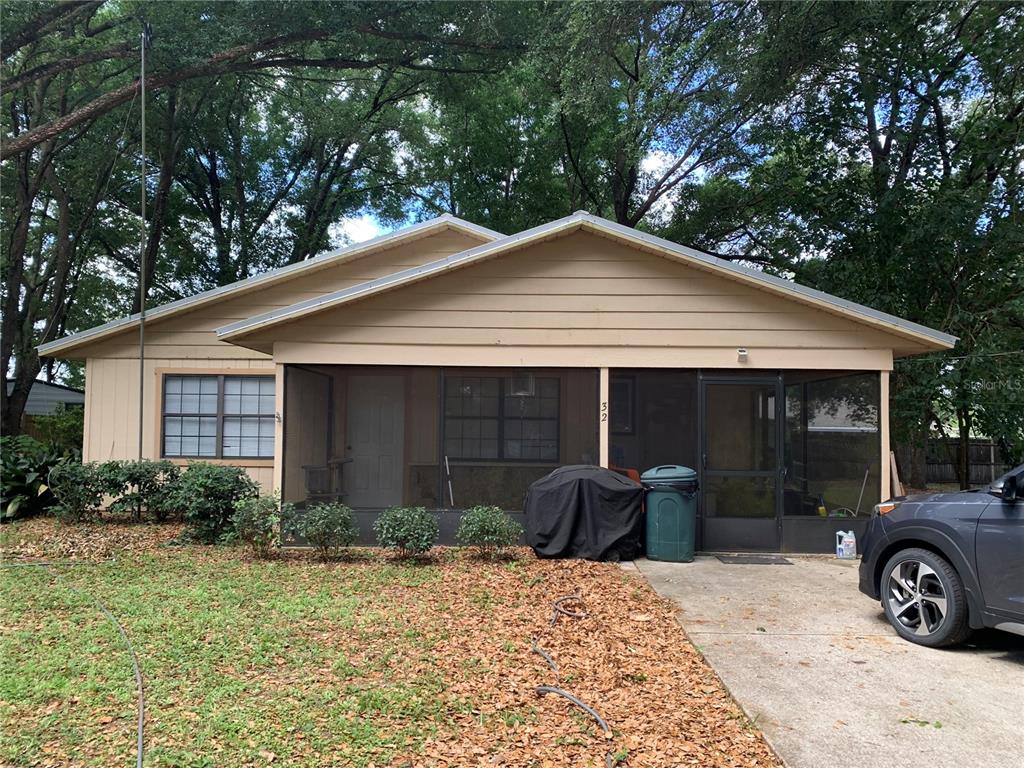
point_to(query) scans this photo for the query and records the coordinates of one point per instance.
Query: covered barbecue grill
(586, 512)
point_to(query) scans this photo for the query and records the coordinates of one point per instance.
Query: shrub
(328, 526)
(410, 530)
(489, 529)
(206, 495)
(140, 485)
(78, 489)
(63, 427)
(25, 466)
(257, 522)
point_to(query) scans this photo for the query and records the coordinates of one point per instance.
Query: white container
(846, 545)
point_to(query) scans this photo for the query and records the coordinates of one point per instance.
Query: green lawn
(363, 662)
(246, 659)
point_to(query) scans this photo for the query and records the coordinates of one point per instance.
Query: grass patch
(242, 660)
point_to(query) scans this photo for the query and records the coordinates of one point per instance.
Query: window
(218, 417)
(506, 418)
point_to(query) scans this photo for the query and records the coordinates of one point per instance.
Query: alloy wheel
(916, 597)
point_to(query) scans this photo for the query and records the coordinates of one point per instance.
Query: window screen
(218, 417)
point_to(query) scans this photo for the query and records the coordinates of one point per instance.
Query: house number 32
(604, 410)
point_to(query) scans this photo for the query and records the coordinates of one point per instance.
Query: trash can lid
(668, 473)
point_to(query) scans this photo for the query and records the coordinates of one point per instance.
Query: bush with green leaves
(490, 529)
(257, 522)
(328, 527)
(62, 428)
(206, 494)
(139, 486)
(25, 465)
(410, 530)
(78, 489)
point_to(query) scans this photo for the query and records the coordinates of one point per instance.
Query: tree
(892, 176)
(651, 98)
(488, 151)
(68, 100)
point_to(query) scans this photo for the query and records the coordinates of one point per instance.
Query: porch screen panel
(653, 418)
(503, 431)
(832, 443)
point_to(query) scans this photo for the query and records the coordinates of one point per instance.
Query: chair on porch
(324, 481)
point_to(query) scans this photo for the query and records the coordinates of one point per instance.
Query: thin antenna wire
(145, 37)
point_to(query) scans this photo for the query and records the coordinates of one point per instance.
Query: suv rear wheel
(923, 598)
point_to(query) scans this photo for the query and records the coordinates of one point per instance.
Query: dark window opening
(511, 418)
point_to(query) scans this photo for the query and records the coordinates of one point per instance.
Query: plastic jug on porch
(846, 545)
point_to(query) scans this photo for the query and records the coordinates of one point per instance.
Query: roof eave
(416, 231)
(928, 337)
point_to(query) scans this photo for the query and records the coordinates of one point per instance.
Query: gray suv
(944, 564)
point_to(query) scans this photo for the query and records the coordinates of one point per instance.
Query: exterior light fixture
(741, 354)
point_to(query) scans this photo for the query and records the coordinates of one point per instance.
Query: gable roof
(584, 221)
(266, 279)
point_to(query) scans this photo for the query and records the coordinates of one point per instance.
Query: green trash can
(671, 504)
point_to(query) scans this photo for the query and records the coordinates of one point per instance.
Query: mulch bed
(627, 657)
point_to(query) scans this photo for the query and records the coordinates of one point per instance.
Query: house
(447, 365)
(44, 399)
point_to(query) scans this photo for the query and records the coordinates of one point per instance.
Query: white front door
(375, 429)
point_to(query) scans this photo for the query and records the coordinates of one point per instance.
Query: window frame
(219, 415)
(501, 418)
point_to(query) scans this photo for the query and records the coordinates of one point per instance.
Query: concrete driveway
(820, 671)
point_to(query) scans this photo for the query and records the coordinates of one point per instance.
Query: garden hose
(47, 566)
(556, 609)
(544, 655)
(542, 689)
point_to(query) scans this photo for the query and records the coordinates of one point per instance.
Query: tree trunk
(913, 461)
(964, 448)
(13, 406)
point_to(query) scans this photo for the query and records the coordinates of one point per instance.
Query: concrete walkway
(820, 671)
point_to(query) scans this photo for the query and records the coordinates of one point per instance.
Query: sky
(356, 229)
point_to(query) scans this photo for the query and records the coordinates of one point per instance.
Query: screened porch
(445, 439)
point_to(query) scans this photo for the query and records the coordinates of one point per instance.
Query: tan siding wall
(112, 403)
(582, 300)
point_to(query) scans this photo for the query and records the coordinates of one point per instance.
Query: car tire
(923, 598)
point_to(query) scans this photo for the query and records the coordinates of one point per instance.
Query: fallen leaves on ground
(43, 538)
(366, 661)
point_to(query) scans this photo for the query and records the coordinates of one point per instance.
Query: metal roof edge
(173, 307)
(575, 220)
(393, 280)
(780, 283)
(53, 384)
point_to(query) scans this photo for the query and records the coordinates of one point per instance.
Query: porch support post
(278, 427)
(602, 417)
(883, 428)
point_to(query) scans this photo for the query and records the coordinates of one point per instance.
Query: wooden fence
(984, 458)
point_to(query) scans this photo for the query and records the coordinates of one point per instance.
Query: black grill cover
(587, 512)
